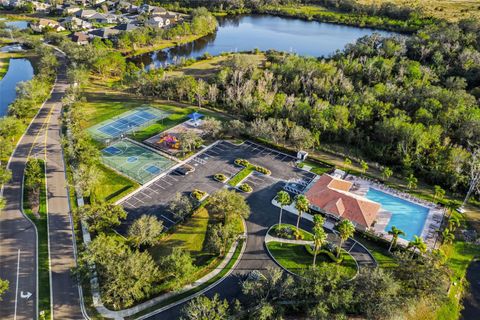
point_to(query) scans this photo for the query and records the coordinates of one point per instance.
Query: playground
(135, 161)
(126, 122)
(169, 141)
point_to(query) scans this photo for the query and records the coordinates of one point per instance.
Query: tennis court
(137, 162)
(127, 122)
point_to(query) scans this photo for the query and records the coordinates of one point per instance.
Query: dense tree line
(418, 287)
(410, 103)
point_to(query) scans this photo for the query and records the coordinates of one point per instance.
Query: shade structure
(195, 116)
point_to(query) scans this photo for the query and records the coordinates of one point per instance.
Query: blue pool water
(407, 216)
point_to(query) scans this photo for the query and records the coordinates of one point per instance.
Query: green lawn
(113, 186)
(41, 223)
(295, 258)
(189, 236)
(318, 167)
(384, 258)
(242, 174)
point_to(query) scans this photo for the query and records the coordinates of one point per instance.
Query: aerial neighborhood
(240, 159)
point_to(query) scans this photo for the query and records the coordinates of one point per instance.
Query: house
(158, 11)
(85, 13)
(96, 2)
(79, 38)
(124, 27)
(41, 6)
(104, 33)
(157, 22)
(332, 196)
(74, 23)
(68, 9)
(41, 24)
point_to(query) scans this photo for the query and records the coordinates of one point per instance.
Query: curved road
(256, 257)
(18, 242)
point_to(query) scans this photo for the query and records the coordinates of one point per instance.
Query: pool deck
(432, 222)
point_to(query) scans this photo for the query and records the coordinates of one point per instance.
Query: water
(407, 216)
(245, 33)
(18, 70)
(17, 24)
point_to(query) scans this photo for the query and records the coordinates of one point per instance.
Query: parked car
(184, 170)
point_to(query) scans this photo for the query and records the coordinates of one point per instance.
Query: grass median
(41, 222)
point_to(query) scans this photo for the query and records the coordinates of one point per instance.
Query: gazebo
(194, 117)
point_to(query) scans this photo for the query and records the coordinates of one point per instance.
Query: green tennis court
(137, 162)
(126, 122)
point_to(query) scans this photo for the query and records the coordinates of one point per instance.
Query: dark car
(185, 169)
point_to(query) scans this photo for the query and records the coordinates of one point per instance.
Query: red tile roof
(333, 196)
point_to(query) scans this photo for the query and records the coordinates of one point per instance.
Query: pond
(18, 70)
(245, 33)
(17, 24)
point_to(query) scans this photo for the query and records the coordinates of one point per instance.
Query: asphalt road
(65, 293)
(18, 242)
(263, 214)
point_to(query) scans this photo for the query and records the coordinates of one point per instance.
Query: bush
(198, 194)
(298, 235)
(245, 187)
(220, 177)
(262, 170)
(329, 254)
(284, 232)
(242, 162)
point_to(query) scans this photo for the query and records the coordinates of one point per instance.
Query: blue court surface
(127, 122)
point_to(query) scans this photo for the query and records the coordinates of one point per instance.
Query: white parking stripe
(164, 180)
(160, 186)
(167, 219)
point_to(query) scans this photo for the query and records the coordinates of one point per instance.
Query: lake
(244, 33)
(18, 70)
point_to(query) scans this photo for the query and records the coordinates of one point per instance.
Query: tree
(347, 163)
(3, 203)
(127, 276)
(189, 141)
(301, 205)
(5, 175)
(180, 206)
(412, 182)
(377, 294)
(34, 176)
(473, 174)
(301, 137)
(177, 265)
(3, 287)
(448, 236)
(87, 178)
(452, 206)
(283, 199)
(387, 173)
(228, 204)
(395, 233)
(346, 230)
(319, 235)
(364, 166)
(439, 193)
(453, 223)
(219, 238)
(146, 230)
(234, 128)
(102, 216)
(417, 243)
(203, 308)
(211, 127)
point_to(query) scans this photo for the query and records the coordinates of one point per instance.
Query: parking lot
(154, 198)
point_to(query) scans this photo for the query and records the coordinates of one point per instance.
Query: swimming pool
(407, 216)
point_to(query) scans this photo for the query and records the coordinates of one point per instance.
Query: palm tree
(301, 204)
(364, 166)
(347, 163)
(395, 232)
(283, 199)
(417, 243)
(319, 235)
(387, 173)
(412, 182)
(345, 230)
(453, 223)
(452, 206)
(448, 236)
(439, 193)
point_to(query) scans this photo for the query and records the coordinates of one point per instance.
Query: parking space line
(163, 180)
(167, 219)
(170, 176)
(160, 186)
